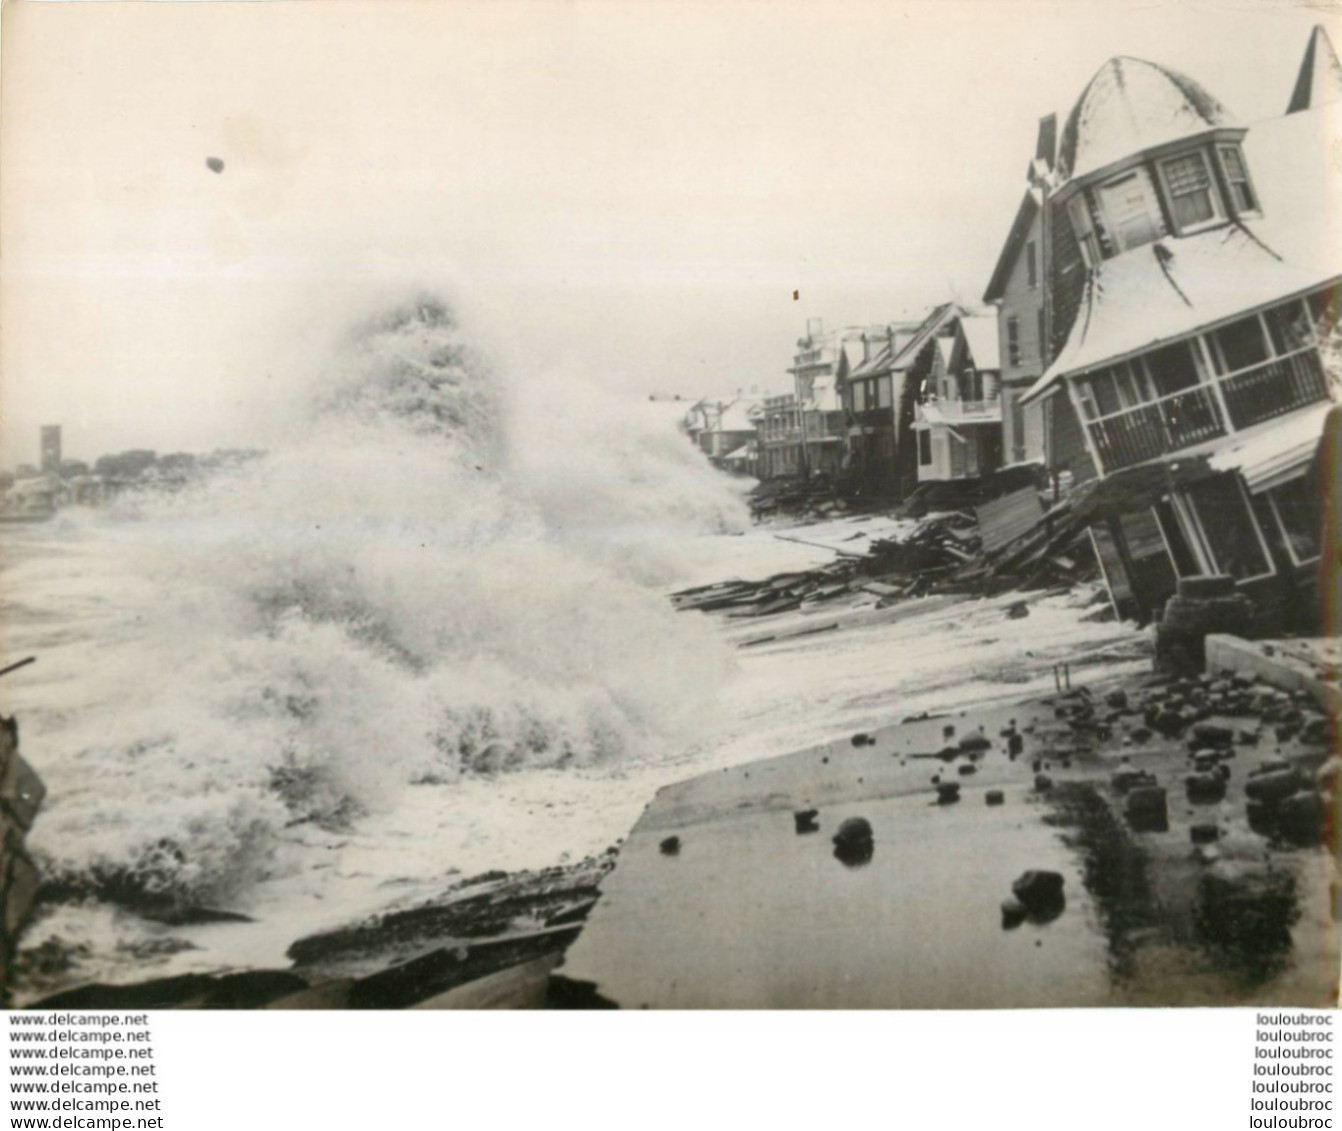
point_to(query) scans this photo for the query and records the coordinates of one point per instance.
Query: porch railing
(1278, 386)
(1156, 429)
(952, 411)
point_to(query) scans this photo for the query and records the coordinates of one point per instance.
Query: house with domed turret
(1190, 264)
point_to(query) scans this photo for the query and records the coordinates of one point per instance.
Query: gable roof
(1015, 241)
(906, 355)
(1320, 79)
(1131, 105)
(980, 333)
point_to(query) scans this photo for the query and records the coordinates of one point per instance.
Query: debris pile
(924, 560)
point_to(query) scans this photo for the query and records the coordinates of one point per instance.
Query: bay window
(1237, 178)
(1189, 189)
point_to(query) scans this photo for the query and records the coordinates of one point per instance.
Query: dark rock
(1037, 765)
(948, 731)
(1038, 889)
(1015, 744)
(1018, 610)
(1042, 783)
(1205, 761)
(861, 739)
(1274, 786)
(1204, 833)
(805, 820)
(1213, 734)
(1129, 777)
(975, 741)
(1170, 722)
(1140, 734)
(853, 844)
(670, 846)
(1205, 788)
(966, 769)
(1262, 818)
(1300, 818)
(994, 797)
(1014, 913)
(854, 830)
(948, 793)
(1147, 809)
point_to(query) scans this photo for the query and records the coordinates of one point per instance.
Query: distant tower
(51, 449)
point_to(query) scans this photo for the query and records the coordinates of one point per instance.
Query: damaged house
(1191, 265)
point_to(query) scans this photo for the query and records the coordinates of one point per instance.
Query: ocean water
(426, 636)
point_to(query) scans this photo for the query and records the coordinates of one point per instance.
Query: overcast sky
(631, 189)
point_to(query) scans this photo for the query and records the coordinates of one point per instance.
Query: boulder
(1205, 788)
(1038, 889)
(853, 843)
(670, 846)
(805, 820)
(1147, 809)
(1042, 783)
(1273, 786)
(948, 793)
(1126, 778)
(1300, 818)
(1205, 832)
(966, 768)
(1014, 913)
(1213, 734)
(994, 797)
(976, 741)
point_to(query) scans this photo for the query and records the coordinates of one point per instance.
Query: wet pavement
(747, 910)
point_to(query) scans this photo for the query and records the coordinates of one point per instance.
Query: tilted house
(1192, 282)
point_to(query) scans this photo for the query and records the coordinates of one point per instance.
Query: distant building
(958, 415)
(51, 449)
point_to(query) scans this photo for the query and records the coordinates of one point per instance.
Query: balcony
(1265, 391)
(960, 412)
(1190, 416)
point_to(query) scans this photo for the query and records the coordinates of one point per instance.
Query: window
(859, 396)
(1031, 266)
(1238, 346)
(1237, 178)
(924, 448)
(1192, 198)
(1130, 210)
(1078, 211)
(1289, 326)
(882, 392)
(1171, 368)
(1225, 527)
(1298, 517)
(1013, 340)
(1043, 345)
